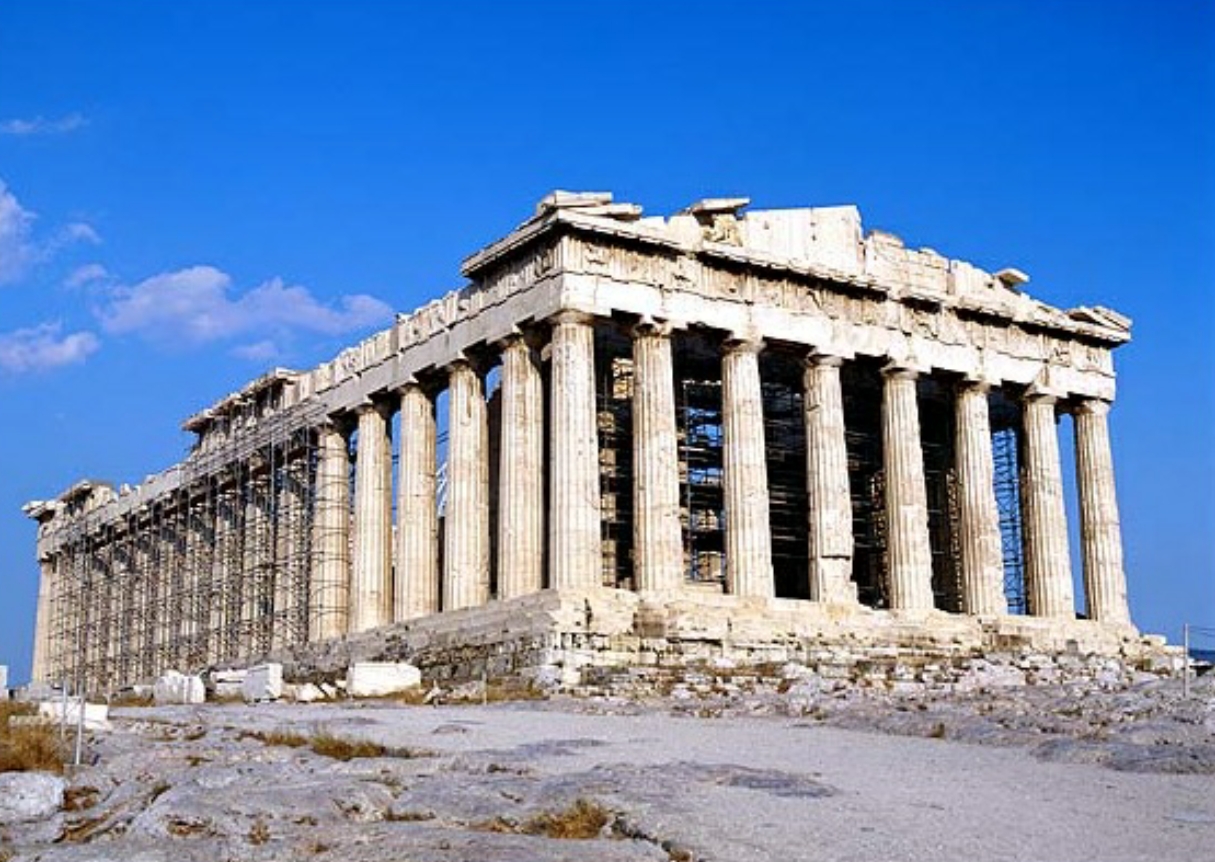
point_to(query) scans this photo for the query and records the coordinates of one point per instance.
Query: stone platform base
(567, 639)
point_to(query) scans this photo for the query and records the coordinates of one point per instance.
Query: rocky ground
(714, 769)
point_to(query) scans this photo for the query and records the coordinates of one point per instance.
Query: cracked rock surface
(718, 773)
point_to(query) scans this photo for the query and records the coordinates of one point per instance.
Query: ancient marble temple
(722, 427)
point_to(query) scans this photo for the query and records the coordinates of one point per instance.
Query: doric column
(745, 469)
(657, 533)
(1100, 531)
(978, 514)
(466, 524)
(908, 549)
(330, 590)
(521, 473)
(575, 555)
(42, 621)
(828, 494)
(1048, 568)
(371, 574)
(416, 578)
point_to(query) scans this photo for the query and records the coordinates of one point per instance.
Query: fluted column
(1100, 530)
(745, 469)
(330, 591)
(521, 473)
(416, 576)
(575, 553)
(978, 514)
(371, 575)
(1048, 568)
(466, 528)
(908, 550)
(42, 621)
(657, 533)
(828, 494)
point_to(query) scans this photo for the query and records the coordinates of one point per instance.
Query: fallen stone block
(26, 796)
(96, 715)
(308, 693)
(178, 688)
(227, 684)
(263, 682)
(380, 678)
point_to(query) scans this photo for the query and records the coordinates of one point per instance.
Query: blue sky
(193, 192)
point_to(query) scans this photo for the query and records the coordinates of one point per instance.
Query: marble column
(330, 592)
(978, 514)
(371, 570)
(908, 551)
(828, 493)
(1100, 530)
(416, 576)
(657, 532)
(745, 473)
(521, 473)
(575, 553)
(42, 621)
(1048, 568)
(466, 524)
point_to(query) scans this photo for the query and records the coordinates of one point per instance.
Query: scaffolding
(1006, 440)
(216, 568)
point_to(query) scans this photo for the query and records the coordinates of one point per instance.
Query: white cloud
(79, 231)
(197, 305)
(20, 250)
(86, 274)
(42, 347)
(42, 126)
(17, 249)
(259, 351)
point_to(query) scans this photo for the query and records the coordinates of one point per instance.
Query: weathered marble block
(377, 679)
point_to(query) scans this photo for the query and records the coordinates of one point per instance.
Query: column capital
(1034, 395)
(1092, 407)
(975, 384)
(818, 359)
(648, 326)
(571, 317)
(515, 337)
(464, 359)
(737, 343)
(369, 404)
(337, 422)
(899, 370)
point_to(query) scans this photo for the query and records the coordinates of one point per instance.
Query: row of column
(383, 590)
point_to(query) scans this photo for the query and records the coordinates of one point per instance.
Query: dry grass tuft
(28, 747)
(287, 738)
(259, 833)
(77, 798)
(581, 821)
(326, 744)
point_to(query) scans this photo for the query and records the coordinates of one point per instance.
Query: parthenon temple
(722, 427)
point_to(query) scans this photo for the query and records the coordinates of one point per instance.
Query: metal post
(63, 688)
(79, 732)
(1185, 673)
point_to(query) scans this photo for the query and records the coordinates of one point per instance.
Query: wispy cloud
(259, 351)
(87, 274)
(43, 126)
(17, 249)
(21, 249)
(42, 347)
(198, 305)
